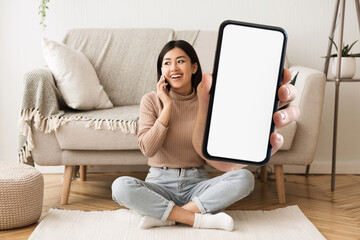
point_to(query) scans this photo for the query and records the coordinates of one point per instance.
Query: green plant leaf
(294, 79)
(352, 45)
(333, 43)
(330, 56)
(345, 51)
(42, 12)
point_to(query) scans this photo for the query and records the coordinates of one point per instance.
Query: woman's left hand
(286, 94)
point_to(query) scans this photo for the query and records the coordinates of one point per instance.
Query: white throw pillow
(75, 77)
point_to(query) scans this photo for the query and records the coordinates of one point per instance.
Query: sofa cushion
(124, 59)
(76, 134)
(205, 46)
(75, 77)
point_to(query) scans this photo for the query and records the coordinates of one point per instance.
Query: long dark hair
(190, 51)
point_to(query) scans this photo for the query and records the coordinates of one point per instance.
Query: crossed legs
(155, 202)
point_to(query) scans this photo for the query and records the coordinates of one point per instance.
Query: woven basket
(21, 195)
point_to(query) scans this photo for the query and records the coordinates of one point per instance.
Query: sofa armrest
(310, 85)
(40, 92)
(40, 100)
(305, 74)
(288, 132)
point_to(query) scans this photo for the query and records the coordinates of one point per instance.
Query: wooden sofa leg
(82, 172)
(66, 185)
(279, 175)
(307, 170)
(263, 174)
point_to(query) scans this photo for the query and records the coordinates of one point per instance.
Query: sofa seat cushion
(91, 130)
(78, 135)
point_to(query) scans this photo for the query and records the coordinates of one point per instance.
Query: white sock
(149, 222)
(216, 221)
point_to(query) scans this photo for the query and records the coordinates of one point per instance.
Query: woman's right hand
(163, 93)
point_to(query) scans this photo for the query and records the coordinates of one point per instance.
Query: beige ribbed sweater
(169, 146)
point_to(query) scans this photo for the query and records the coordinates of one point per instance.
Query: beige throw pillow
(75, 77)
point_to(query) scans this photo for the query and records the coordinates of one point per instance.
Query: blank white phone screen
(244, 96)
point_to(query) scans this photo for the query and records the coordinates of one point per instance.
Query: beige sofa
(88, 141)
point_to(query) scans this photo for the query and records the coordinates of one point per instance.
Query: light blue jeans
(165, 187)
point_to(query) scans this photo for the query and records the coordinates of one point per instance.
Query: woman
(171, 126)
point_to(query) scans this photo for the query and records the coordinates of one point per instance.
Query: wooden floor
(335, 214)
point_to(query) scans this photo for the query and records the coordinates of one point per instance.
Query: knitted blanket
(44, 109)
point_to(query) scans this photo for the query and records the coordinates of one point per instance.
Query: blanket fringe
(113, 125)
(48, 125)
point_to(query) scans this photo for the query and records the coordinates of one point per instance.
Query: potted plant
(348, 63)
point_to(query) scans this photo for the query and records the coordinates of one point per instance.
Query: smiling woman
(178, 188)
(176, 68)
(179, 64)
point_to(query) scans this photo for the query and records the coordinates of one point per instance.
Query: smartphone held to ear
(163, 76)
(248, 71)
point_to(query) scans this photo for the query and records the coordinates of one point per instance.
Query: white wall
(307, 23)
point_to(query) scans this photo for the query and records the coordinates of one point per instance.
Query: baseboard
(319, 167)
(322, 167)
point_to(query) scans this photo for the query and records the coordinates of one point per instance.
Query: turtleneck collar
(179, 97)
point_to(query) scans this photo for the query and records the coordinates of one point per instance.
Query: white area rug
(283, 223)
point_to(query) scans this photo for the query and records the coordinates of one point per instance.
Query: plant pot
(348, 67)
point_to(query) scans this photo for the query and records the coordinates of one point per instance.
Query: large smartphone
(248, 71)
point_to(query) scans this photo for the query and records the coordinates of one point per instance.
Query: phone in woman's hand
(248, 70)
(167, 86)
